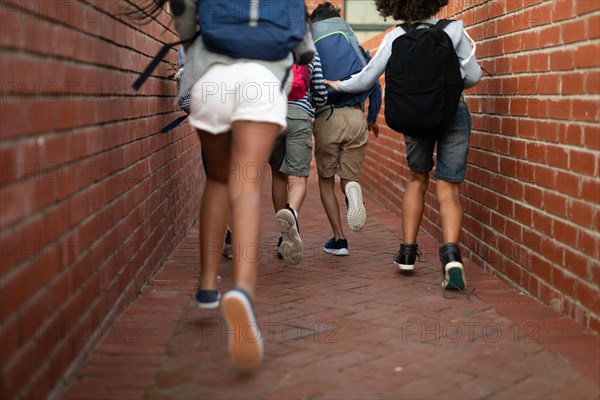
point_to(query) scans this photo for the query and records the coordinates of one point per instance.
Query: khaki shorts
(341, 140)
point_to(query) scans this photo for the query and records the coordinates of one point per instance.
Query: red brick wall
(93, 196)
(532, 192)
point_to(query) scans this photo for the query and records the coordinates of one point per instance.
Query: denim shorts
(452, 149)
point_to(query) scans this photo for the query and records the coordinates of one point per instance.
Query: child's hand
(374, 127)
(332, 84)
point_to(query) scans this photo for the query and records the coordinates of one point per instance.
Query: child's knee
(421, 179)
(448, 190)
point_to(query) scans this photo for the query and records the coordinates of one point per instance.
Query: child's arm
(374, 108)
(305, 50)
(185, 17)
(366, 78)
(317, 87)
(468, 61)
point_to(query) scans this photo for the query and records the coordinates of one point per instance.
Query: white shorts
(244, 91)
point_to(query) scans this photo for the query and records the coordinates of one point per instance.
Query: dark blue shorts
(452, 149)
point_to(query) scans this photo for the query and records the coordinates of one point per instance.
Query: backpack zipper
(253, 13)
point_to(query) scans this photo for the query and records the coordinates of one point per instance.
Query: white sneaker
(291, 243)
(357, 214)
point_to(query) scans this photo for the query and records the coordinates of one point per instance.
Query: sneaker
(207, 299)
(452, 268)
(291, 243)
(407, 256)
(278, 247)
(245, 339)
(336, 247)
(357, 214)
(227, 248)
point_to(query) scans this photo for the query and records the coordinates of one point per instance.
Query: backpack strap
(158, 58)
(442, 23)
(174, 124)
(406, 26)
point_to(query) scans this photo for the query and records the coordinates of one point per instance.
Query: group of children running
(237, 129)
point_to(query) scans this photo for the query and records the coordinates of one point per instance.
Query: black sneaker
(227, 249)
(291, 243)
(453, 275)
(407, 256)
(207, 299)
(336, 247)
(278, 247)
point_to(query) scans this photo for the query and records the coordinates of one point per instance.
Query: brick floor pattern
(343, 328)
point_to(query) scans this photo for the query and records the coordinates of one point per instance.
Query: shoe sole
(454, 277)
(209, 306)
(405, 267)
(340, 252)
(357, 214)
(291, 243)
(245, 340)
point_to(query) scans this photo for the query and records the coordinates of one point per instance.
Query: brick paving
(343, 328)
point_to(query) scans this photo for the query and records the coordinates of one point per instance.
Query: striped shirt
(317, 92)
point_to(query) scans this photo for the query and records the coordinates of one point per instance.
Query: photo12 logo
(69, 12)
(454, 332)
(271, 331)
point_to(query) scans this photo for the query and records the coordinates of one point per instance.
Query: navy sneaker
(244, 337)
(453, 274)
(207, 299)
(337, 247)
(291, 243)
(407, 256)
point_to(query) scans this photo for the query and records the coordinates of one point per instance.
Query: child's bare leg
(215, 206)
(413, 206)
(451, 211)
(288, 189)
(451, 214)
(296, 191)
(279, 190)
(251, 146)
(332, 209)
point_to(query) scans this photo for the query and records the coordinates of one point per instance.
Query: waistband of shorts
(329, 107)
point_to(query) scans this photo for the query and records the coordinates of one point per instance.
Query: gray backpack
(340, 52)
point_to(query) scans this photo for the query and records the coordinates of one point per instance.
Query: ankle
(450, 252)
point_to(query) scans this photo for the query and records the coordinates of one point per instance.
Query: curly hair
(409, 10)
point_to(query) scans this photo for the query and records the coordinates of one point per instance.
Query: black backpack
(423, 83)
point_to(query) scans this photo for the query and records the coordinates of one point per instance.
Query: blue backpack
(266, 30)
(257, 29)
(340, 52)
